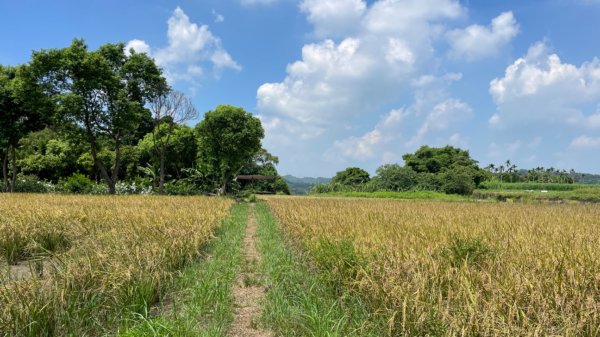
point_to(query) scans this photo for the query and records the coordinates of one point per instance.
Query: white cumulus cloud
(394, 134)
(189, 47)
(385, 47)
(138, 45)
(476, 41)
(441, 117)
(333, 18)
(540, 88)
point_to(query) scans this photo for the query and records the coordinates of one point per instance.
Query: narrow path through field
(248, 291)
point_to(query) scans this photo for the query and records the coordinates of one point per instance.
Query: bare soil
(25, 270)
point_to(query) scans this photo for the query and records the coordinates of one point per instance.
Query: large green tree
(433, 160)
(103, 92)
(454, 168)
(49, 156)
(23, 109)
(227, 137)
(352, 176)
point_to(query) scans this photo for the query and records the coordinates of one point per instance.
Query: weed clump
(467, 251)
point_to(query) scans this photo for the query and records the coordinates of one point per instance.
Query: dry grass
(458, 269)
(111, 256)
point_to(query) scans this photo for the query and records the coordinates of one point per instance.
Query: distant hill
(303, 185)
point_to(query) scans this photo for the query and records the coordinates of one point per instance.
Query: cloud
(585, 142)
(545, 111)
(218, 17)
(540, 88)
(138, 45)
(190, 46)
(476, 42)
(336, 82)
(333, 18)
(410, 17)
(324, 86)
(394, 133)
(360, 148)
(441, 117)
(367, 60)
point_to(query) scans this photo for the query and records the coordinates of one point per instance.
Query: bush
(457, 181)
(32, 184)
(77, 184)
(123, 187)
(393, 177)
(280, 186)
(429, 182)
(99, 189)
(181, 187)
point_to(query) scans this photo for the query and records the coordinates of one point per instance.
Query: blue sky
(341, 83)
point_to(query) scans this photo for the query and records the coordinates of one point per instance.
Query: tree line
(508, 172)
(73, 118)
(446, 169)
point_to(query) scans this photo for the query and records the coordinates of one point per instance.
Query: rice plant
(109, 257)
(458, 268)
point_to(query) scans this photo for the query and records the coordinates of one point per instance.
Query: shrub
(78, 184)
(32, 184)
(393, 177)
(457, 181)
(123, 187)
(429, 182)
(181, 187)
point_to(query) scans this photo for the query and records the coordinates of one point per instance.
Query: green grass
(496, 185)
(414, 195)
(301, 301)
(589, 194)
(202, 304)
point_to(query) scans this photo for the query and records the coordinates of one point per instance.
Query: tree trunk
(115, 173)
(161, 173)
(14, 169)
(99, 164)
(5, 172)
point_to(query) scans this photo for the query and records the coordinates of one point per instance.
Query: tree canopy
(227, 137)
(102, 93)
(433, 160)
(352, 176)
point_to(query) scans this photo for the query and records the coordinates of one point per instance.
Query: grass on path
(203, 303)
(299, 301)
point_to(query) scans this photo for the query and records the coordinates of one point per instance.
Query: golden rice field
(76, 265)
(458, 268)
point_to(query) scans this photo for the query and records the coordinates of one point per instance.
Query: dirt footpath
(248, 291)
